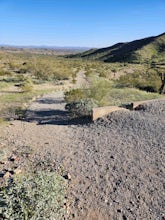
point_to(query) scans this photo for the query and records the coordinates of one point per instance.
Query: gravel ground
(116, 164)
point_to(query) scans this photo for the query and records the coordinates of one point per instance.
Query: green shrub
(74, 95)
(27, 85)
(81, 101)
(5, 73)
(149, 82)
(32, 197)
(119, 96)
(99, 90)
(83, 107)
(22, 70)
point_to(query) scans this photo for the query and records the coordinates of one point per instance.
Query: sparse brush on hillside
(27, 85)
(137, 51)
(5, 73)
(22, 71)
(151, 79)
(145, 81)
(121, 96)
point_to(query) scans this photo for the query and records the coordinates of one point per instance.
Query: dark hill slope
(135, 51)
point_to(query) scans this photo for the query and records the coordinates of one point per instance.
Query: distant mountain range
(143, 50)
(54, 50)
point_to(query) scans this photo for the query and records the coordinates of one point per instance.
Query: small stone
(13, 158)
(1, 174)
(7, 175)
(11, 172)
(67, 176)
(17, 171)
(11, 119)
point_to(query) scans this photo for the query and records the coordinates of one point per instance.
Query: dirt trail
(116, 164)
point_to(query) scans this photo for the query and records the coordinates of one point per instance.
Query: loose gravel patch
(116, 165)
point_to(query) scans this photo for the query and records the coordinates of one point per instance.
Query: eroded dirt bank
(116, 164)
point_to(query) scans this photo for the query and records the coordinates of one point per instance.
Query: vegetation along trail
(115, 165)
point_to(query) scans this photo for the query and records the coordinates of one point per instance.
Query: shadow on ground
(50, 101)
(54, 117)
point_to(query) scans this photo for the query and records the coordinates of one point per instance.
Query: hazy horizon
(51, 23)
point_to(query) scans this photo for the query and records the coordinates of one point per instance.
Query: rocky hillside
(150, 48)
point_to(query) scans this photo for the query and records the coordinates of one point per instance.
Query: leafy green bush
(149, 82)
(74, 95)
(32, 197)
(99, 90)
(50, 69)
(81, 101)
(83, 107)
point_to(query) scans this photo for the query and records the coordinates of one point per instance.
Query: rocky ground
(115, 165)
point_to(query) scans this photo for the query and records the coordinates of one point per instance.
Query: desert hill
(143, 50)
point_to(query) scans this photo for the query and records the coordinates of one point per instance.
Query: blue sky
(91, 23)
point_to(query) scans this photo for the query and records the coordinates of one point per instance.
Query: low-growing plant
(120, 96)
(33, 196)
(99, 90)
(2, 121)
(27, 85)
(5, 73)
(20, 112)
(83, 107)
(74, 95)
(149, 82)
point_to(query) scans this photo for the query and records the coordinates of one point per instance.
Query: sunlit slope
(143, 50)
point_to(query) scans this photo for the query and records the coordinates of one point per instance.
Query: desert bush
(5, 73)
(50, 69)
(83, 107)
(99, 90)
(23, 70)
(145, 81)
(3, 84)
(81, 101)
(27, 85)
(74, 95)
(119, 96)
(32, 197)
(13, 65)
(103, 74)
(20, 112)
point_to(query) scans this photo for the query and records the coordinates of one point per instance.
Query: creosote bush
(83, 107)
(74, 95)
(80, 102)
(5, 73)
(27, 85)
(31, 197)
(149, 82)
(99, 90)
